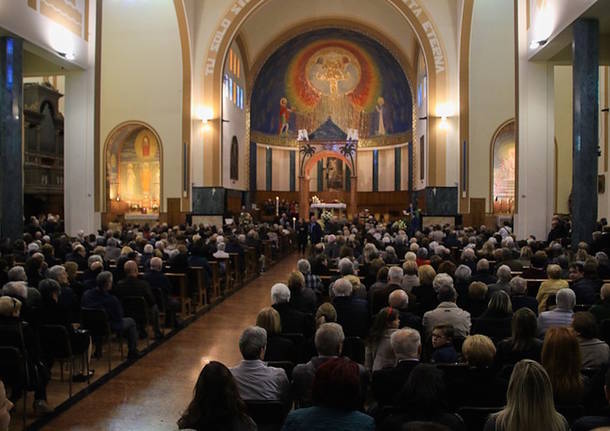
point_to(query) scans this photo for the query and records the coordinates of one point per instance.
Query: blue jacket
(99, 299)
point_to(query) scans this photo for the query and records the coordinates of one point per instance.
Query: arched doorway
(133, 171)
(310, 155)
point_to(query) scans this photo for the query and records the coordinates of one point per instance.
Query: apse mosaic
(134, 173)
(331, 73)
(504, 170)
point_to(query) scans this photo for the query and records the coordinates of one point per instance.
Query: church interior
(271, 214)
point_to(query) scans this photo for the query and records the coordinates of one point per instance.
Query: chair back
(268, 415)
(287, 366)
(13, 371)
(353, 348)
(55, 340)
(475, 417)
(11, 335)
(136, 308)
(96, 321)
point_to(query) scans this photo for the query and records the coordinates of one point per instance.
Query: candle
(294, 221)
(277, 205)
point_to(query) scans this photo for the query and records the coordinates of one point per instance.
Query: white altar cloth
(324, 206)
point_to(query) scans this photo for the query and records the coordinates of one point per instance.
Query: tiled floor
(151, 394)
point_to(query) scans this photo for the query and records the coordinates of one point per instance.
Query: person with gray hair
(562, 314)
(346, 267)
(483, 273)
(519, 297)
(329, 340)
(17, 273)
(101, 299)
(504, 275)
(388, 382)
(447, 312)
(378, 298)
(67, 298)
(161, 288)
(399, 300)
(255, 380)
(352, 312)
(442, 280)
(601, 310)
(312, 281)
(293, 321)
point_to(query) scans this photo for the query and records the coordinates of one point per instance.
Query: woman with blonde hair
(278, 348)
(550, 286)
(425, 293)
(326, 313)
(561, 359)
(529, 402)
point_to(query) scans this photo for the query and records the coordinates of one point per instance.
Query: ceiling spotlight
(538, 43)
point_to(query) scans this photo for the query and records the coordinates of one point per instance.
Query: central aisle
(151, 394)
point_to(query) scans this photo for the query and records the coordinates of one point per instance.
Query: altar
(337, 209)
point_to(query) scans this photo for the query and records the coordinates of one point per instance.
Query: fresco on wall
(504, 170)
(333, 73)
(133, 172)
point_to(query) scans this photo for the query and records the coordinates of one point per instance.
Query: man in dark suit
(519, 297)
(100, 298)
(161, 289)
(315, 231)
(329, 343)
(352, 313)
(379, 297)
(292, 320)
(387, 382)
(132, 286)
(400, 301)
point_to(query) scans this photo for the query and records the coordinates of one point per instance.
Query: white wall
(492, 86)
(536, 136)
(79, 181)
(141, 79)
(563, 135)
(236, 126)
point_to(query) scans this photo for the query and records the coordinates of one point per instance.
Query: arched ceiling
(278, 17)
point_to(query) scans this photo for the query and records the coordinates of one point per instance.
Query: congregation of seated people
(50, 278)
(466, 329)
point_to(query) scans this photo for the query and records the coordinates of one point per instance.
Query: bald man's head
(131, 268)
(399, 299)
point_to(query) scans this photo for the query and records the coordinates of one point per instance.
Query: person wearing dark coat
(584, 287)
(315, 231)
(352, 313)
(132, 286)
(519, 297)
(495, 322)
(386, 383)
(399, 300)
(279, 348)
(162, 289)
(302, 232)
(301, 298)
(292, 320)
(100, 298)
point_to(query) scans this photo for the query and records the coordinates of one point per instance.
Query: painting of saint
(381, 119)
(334, 169)
(284, 116)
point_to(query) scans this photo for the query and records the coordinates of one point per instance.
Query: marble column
(585, 54)
(11, 154)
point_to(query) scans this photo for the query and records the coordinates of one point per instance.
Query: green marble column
(585, 80)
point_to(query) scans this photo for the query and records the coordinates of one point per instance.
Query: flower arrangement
(399, 225)
(245, 219)
(326, 216)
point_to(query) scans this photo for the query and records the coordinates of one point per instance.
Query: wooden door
(477, 211)
(173, 212)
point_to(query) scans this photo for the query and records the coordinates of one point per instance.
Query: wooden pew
(181, 282)
(215, 288)
(200, 288)
(236, 273)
